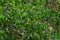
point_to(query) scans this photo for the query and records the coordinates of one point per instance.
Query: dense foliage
(29, 20)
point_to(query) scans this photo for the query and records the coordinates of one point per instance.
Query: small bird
(54, 5)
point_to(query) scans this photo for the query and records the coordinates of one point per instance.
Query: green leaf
(1, 16)
(2, 32)
(24, 14)
(1, 9)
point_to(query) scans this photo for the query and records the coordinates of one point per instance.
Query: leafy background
(29, 19)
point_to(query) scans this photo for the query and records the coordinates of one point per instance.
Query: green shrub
(29, 20)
